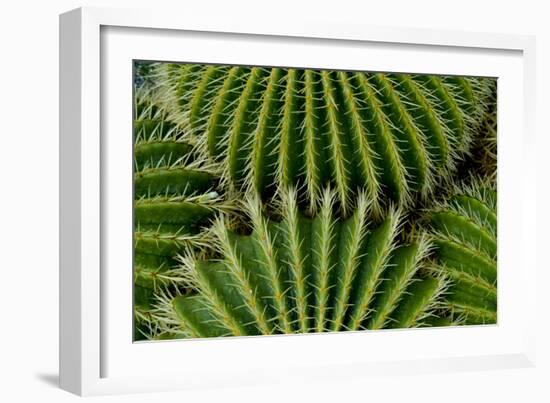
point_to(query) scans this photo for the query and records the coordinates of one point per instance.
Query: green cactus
(392, 136)
(464, 235)
(300, 274)
(176, 196)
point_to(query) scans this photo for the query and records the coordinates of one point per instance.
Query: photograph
(282, 200)
(236, 201)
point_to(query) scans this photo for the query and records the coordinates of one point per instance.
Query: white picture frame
(97, 355)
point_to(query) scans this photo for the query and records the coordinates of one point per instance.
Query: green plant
(392, 136)
(464, 236)
(298, 274)
(176, 196)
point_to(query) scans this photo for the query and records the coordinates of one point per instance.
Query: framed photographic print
(237, 197)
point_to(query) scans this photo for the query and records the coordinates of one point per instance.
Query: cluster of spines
(392, 136)
(301, 274)
(463, 231)
(366, 141)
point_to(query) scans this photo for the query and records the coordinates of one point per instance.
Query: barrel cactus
(392, 136)
(176, 196)
(463, 231)
(485, 144)
(299, 274)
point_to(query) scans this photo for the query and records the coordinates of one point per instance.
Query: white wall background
(29, 198)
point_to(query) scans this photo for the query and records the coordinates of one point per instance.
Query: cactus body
(304, 274)
(175, 198)
(464, 235)
(393, 136)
